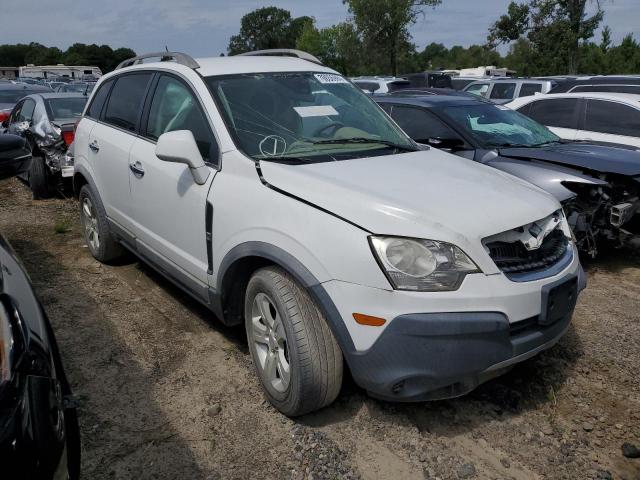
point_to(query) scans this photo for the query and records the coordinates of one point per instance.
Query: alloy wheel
(90, 223)
(270, 342)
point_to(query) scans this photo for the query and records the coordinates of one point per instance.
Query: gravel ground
(167, 392)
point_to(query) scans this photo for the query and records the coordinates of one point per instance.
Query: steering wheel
(334, 125)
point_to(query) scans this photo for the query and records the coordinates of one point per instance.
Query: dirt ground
(167, 392)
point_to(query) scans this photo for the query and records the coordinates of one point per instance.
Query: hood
(426, 194)
(600, 158)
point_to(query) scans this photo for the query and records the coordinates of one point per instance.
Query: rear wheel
(296, 356)
(102, 244)
(38, 179)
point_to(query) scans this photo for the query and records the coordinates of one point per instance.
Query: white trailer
(78, 72)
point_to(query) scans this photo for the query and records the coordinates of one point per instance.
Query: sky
(203, 27)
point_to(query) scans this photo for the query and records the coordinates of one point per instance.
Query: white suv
(279, 195)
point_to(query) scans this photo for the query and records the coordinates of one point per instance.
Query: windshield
(304, 116)
(495, 126)
(63, 108)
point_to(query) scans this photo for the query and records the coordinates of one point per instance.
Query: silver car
(504, 90)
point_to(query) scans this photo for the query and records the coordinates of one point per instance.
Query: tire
(38, 179)
(298, 337)
(98, 237)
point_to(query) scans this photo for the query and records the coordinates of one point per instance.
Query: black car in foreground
(39, 435)
(598, 186)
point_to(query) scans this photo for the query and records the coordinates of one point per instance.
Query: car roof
(626, 97)
(431, 100)
(49, 96)
(236, 65)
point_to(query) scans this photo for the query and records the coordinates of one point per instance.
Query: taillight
(4, 115)
(68, 136)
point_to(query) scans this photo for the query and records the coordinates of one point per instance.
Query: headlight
(6, 347)
(422, 265)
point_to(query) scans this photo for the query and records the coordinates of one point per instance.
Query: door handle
(137, 169)
(94, 146)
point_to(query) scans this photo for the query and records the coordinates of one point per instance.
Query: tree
(605, 42)
(555, 28)
(338, 47)
(383, 25)
(268, 27)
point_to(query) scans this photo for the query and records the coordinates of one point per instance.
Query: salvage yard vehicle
(47, 121)
(503, 90)
(39, 434)
(610, 118)
(381, 84)
(599, 83)
(279, 195)
(598, 185)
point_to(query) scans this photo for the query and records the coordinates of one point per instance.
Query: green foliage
(268, 27)
(556, 29)
(383, 27)
(77, 54)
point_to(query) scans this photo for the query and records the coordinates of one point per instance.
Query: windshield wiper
(338, 141)
(284, 159)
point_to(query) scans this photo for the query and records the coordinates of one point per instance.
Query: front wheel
(296, 356)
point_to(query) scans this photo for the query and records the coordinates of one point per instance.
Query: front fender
(549, 177)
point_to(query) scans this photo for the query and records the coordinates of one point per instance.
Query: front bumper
(444, 351)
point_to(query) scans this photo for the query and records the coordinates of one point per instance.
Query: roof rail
(181, 58)
(283, 52)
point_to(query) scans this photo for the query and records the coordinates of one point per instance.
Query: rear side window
(421, 125)
(174, 107)
(557, 112)
(528, 89)
(503, 91)
(26, 113)
(126, 99)
(98, 100)
(613, 118)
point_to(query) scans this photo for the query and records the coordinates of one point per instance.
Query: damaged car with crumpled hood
(597, 185)
(47, 121)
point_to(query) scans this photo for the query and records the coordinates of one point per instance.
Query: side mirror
(179, 146)
(445, 143)
(15, 156)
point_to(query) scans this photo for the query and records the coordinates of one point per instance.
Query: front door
(170, 208)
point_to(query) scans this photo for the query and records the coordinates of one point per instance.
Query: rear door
(559, 114)
(169, 207)
(611, 122)
(110, 143)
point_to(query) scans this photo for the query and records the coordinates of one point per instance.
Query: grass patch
(62, 226)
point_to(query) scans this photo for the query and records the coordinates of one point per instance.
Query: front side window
(528, 89)
(125, 102)
(503, 91)
(557, 112)
(304, 116)
(613, 118)
(420, 124)
(497, 126)
(479, 89)
(174, 107)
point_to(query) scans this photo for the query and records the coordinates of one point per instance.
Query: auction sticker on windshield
(316, 111)
(330, 78)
